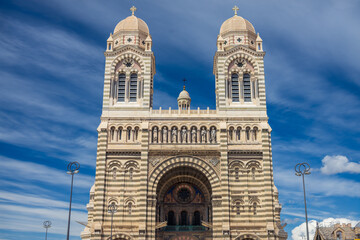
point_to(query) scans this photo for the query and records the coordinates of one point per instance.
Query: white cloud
(338, 164)
(299, 232)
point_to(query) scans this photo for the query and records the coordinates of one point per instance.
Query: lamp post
(47, 225)
(112, 208)
(302, 169)
(73, 168)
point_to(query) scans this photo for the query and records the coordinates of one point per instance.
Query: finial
(184, 82)
(133, 9)
(235, 9)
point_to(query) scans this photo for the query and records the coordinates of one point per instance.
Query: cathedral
(176, 174)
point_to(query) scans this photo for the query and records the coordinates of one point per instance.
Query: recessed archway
(183, 202)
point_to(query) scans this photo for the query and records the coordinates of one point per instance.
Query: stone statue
(203, 135)
(183, 134)
(174, 135)
(213, 135)
(155, 135)
(193, 135)
(165, 133)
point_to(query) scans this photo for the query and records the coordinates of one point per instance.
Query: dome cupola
(237, 31)
(131, 31)
(184, 99)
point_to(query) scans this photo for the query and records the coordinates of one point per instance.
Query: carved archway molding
(120, 236)
(247, 236)
(184, 161)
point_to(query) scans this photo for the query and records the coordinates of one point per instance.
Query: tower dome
(131, 31)
(236, 24)
(130, 24)
(237, 31)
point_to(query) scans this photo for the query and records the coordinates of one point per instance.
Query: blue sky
(51, 81)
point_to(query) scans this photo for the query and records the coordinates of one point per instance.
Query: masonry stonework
(184, 173)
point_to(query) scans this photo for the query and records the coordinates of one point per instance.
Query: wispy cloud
(30, 171)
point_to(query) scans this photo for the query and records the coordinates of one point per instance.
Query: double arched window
(241, 89)
(128, 88)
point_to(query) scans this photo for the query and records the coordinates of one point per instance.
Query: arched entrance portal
(183, 202)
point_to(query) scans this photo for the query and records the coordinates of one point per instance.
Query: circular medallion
(184, 193)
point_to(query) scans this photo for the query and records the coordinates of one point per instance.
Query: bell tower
(239, 66)
(129, 66)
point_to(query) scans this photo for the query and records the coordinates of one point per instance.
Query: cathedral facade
(195, 174)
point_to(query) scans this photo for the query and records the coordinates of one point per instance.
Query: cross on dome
(133, 9)
(184, 82)
(235, 9)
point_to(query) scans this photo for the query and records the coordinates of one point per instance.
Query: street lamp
(47, 225)
(112, 208)
(302, 169)
(72, 168)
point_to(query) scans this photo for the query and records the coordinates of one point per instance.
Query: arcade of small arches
(243, 134)
(124, 134)
(184, 134)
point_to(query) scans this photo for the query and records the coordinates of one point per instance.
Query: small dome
(92, 190)
(236, 24)
(184, 95)
(132, 23)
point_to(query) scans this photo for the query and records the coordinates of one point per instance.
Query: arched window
(238, 133)
(128, 133)
(255, 130)
(253, 173)
(247, 88)
(120, 133)
(339, 235)
(121, 88)
(255, 208)
(231, 133)
(112, 133)
(247, 133)
(171, 218)
(136, 133)
(235, 88)
(183, 218)
(196, 219)
(133, 87)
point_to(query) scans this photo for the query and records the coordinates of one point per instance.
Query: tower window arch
(133, 87)
(235, 87)
(121, 88)
(247, 87)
